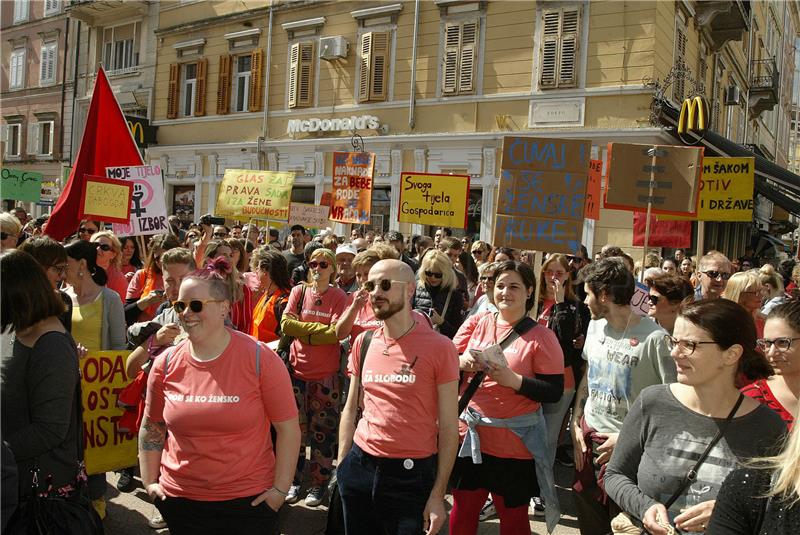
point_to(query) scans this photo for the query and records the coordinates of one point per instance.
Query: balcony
(100, 12)
(764, 86)
(723, 21)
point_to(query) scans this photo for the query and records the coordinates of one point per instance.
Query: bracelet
(279, 491)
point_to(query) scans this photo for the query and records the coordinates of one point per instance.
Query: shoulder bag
(285, 343)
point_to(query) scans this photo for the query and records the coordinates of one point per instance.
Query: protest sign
(640, 302)
(19, 185)
(675, 172)
(430, 199)
(102, 378)
(593, 189)
(308, 215)
(255, 194)
(148, 209)
(726, 191)
(351, 199)
(542, 192)
(676, 234)
(106, 199)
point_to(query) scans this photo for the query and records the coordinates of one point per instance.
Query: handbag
(438, 328)
(285, 343)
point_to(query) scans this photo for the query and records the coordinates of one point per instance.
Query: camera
(210, 220)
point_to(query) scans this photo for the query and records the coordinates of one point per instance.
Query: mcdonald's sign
(694, 115)
(143, 134)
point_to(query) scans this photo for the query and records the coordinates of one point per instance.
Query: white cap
(346, 248)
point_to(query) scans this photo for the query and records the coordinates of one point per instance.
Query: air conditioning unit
(331, 48)
(732, 95)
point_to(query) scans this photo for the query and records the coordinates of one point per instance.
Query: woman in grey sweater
(670, 426)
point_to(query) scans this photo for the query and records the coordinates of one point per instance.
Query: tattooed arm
(151, 442)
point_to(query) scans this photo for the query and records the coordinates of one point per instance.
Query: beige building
(435, 86)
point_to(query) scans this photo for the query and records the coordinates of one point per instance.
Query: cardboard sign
(148, 209)
(19, 185)
(308, 215)
(255, 194)
(726, 190)
(106, 199)
(676, 172)
(542, 193)
(640, 302)
(351, 199)
(102, 378)
(438, 200)
(676, 234)
(593, 189)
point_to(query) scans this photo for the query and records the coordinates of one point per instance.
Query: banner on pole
(19, 185)
(255, 194)
(309, 215)
(593, 189)
(102, 378)
(676, 234)
(106, 199)
(351, 199)
(542, 194)
(434, 199)
(148, 209)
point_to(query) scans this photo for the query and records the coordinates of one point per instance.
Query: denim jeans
(381, 495)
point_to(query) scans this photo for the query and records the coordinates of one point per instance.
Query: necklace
(388, 346)
(318, 296)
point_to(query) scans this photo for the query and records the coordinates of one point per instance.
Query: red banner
(676, 234)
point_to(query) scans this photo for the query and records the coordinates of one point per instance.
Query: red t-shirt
(401, 397)
(761, 392)
(218, 416)
(537, 351)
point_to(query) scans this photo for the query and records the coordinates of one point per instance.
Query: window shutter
(305, 87)
(549, 56)
(379, 71)
(51, 64)
(678, 90)
(200, 87)
(224, 85)
(466, 63)
(33, 139)
(452, 46)
(173, 94)
(568, 50)
(54, 148)
(294, 67)
(256, 80)
(365, 66)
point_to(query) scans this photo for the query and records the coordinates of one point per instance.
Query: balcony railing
(764, 86)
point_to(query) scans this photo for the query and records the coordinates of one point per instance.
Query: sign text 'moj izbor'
(351, 200)
(255, 194)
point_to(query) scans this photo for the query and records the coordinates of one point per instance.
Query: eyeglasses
(476, 252)
(195, 305)
(5, 236)
(685, 347)
(322, 265)
(220, 234)
(434, 275)
(84, 230)
(104, 247)
(487, 278)
(384, 284)
(717, 275)
(572, 258)
(781, 344)
(653, 299)
(60, 268)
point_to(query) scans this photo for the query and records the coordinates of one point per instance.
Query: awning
(785, 192)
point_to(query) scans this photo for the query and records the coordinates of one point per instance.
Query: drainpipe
(265, 124)
(74, 91)
(413, 98)
(63, 89)
(749, 76)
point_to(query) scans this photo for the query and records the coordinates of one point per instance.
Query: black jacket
(569, 320)
(428, 297)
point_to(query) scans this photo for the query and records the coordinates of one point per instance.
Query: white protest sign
(308, 215)
(148, 209)
(640, 303)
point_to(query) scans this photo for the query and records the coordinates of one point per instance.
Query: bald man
(393, 469)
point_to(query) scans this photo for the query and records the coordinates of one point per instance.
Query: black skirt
(513, 479)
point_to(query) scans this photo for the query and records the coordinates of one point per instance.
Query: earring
(80, 274)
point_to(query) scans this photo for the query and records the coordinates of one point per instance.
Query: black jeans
(382, 496)
(234, 517)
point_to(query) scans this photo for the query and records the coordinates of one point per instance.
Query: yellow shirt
(87, 322)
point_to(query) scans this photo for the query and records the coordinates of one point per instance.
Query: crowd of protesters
(357, 350)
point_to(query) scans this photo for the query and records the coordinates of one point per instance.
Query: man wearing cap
(344, 263)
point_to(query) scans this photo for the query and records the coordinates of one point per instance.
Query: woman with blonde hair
(745, 288)
(480, 252)
(773, 287)
(109, 257)
(437, 293)
(10, 228)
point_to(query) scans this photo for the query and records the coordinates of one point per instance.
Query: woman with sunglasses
(669, 427)
(502, 463)
(146, 288)
(315, 355)
(745, 288)
(109, 257)
(667, 293)
(480, 252)
(205, 451)
(437, 293)
(273, 277)
(242, 297)
(781, 345)
(88, 228)
(130, 257)
(10, 228)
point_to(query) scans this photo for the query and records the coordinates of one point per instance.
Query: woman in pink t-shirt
(109, 257)
(533, 373)
(315, 355)
(205, 450)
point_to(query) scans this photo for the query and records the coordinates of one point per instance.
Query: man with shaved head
(393, 468)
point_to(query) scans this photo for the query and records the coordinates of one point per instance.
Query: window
(47, 67)
(186, 95)
(301, 74)
(679, 58)
(21, 10)
(241, 83)
(244, 76)
(189, 89)
(52, 7)
(40, 138)
(121, 48)
(16, 69)
(559, 48)
(460, 54)
(373, 66)
(12, 134)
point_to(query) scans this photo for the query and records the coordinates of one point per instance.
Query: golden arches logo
(694, 115)
(134, 127)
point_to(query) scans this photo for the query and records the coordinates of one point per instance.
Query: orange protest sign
(351, 199)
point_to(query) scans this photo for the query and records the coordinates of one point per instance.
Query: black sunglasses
(384, 284)
(434, 275)
(486, 278)
(653, 299)
(84, 230)
(717, 274)
(104, 246)
(322, 265)
(195, 305)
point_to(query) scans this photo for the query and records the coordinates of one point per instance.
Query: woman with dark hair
(470, 271)
(51, 255)
(503, 429)
(87, 228)
(146, 289)
(242, 297)
(205, 451)
(238, 254)
(503, 254)
(670, 427)
(130, 257)
(40, 385)
(667, 292)
(273, 277)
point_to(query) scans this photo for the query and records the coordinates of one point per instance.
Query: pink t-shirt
(117, 282)
(218, 416)
(401, 392)
(316, 362)
(537, 351)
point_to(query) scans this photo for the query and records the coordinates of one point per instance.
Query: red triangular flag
(107, 142)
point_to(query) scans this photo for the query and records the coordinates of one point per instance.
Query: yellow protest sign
(432, 199)
(106, 447)
(255, 194)
(726, 191)
(106, 199)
